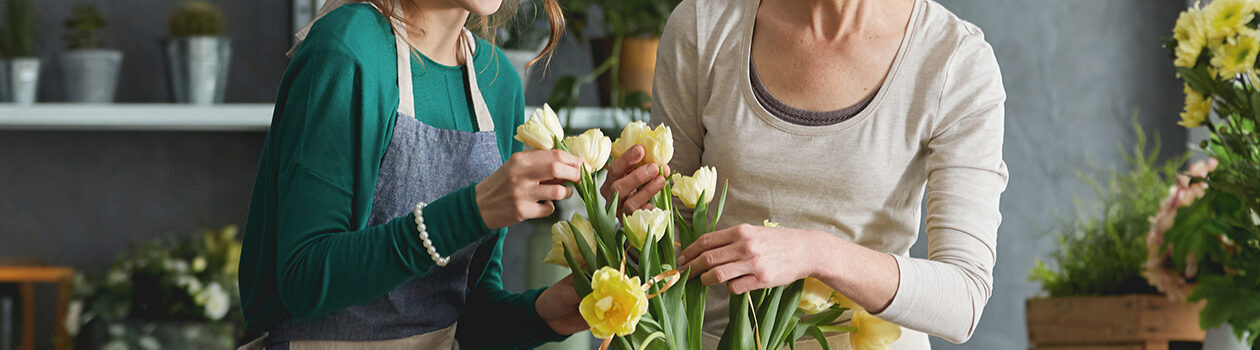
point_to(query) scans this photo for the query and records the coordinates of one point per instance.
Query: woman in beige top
(847, 188)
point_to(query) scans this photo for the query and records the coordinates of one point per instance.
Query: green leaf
(581, 280)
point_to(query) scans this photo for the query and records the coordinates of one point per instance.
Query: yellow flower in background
(615, 304)
(658, 144)
(1191, 38)
(690, 189)
(562, 238)
(541, 130)
(872, 332)
(646, 223)
(1238, 56)
(1198, 107)
(816, 297)
(592, 147)
(1224, 18)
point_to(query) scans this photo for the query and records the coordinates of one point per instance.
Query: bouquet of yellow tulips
(1209, 226)
(625, 269)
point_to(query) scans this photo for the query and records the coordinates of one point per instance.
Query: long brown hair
(485, 26)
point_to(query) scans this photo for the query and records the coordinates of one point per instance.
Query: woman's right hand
(635, 184)
(525, 185)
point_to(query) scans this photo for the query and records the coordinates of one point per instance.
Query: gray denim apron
(422, 163)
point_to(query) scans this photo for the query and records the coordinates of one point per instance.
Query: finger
(745, 283)
(553, 171)
(640, 198)
(635, 179)
(726, 272)
(550, 192)
(708, 241)
(715, 257)
(538, 210)
(626, 162)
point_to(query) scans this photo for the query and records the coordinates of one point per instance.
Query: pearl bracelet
(424, 237)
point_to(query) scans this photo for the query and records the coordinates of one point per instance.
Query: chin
(481, 7)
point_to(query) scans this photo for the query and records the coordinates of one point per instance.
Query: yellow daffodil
(658, 144)
(562, 238)
(646, 223)
(592, 147)
(541, 130)
(872, 332)
(615, 304)
(816, 297)
(1224, 18)
(1198, 107)
(690, 189)
(1238, 56)
(1191, 38)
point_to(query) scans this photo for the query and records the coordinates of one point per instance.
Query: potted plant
(1096, 294)
(19, 70)
(91, 73)
(198, 53)
(627, 49)
(175, 293)
(523, 38)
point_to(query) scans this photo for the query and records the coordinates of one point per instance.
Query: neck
(434, 28)
(836, 19)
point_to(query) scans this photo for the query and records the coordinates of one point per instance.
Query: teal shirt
(308, 249)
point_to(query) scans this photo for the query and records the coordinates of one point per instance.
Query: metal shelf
(176, 117)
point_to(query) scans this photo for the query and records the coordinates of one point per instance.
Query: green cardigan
(308, 250)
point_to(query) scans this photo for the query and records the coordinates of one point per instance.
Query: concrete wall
(1074, 70)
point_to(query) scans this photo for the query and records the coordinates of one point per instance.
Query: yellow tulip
(562, 238)
(1198, 107)
(541, 130)
(658, 144)
(592, 147)
(816, 297)
(630, 136)
(646, 223)
(689, 189)
(872, 332)
(615, 305)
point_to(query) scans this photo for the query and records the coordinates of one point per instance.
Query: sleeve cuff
(454, 221)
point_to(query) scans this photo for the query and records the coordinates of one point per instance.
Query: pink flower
(1174, 283)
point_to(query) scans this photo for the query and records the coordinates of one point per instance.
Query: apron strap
(484, 121)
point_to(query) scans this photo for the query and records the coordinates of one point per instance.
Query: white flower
(73, 312)
(199, 264)
(216, 303)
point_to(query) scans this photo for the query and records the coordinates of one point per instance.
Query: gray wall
(1074, 71)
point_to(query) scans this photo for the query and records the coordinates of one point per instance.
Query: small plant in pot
(91, 73)
(19, 68)
(198, 53)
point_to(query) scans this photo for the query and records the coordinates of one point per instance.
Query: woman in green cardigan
(385, 184)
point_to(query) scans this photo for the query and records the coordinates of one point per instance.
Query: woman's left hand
(751, 257)
(558, 306)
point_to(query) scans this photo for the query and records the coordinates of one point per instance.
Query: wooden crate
(1130, 322)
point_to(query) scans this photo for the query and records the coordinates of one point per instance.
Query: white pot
(91, 76)
(19, 80)
(1222, 338)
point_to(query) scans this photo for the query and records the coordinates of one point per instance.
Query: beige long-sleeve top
(937, 121)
